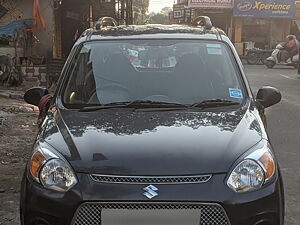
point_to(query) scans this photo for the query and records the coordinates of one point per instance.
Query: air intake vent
(90, 213)
(151, 180)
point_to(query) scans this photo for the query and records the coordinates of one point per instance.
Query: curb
(11, 96)
(4, 95)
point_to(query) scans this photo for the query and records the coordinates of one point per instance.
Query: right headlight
(50, 169)
(56, 174)
(253, 171)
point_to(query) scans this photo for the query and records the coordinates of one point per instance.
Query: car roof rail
(203, 21)
(105, 22)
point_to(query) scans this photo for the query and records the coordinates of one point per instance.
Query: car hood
(124, 142)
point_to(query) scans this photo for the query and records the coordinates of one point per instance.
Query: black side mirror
(34, 95)
(268, 96)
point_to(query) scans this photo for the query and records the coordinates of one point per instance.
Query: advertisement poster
(210, 3)
(264, 8)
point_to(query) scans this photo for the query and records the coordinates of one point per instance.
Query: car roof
(153, 31)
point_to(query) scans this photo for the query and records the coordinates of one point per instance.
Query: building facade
(263, 22)
(64, 22)
(35, 33)
(255, 23)
(220, 12)
(72, 17)
(15, 26)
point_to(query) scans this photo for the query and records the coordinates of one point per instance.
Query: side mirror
(268, 96)
(34, 95)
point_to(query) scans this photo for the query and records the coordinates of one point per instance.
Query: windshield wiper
(214, 103)
(133, 104)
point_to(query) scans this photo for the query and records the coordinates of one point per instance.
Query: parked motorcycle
(275, 58)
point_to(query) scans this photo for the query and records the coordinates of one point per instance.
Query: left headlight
(50, 169)
(254, 170)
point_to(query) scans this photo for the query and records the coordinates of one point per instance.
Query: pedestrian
(291, 47)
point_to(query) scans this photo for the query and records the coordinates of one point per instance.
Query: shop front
(296, 22)
(261, 23)
(219, 11)
(72, 17)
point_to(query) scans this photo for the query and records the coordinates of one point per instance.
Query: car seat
(191, 79)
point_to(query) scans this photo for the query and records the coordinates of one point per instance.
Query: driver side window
(82, 83)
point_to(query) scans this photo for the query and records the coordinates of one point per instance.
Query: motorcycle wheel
(270, 64)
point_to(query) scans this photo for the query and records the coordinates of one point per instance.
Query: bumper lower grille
(151, 180)
(90, 213)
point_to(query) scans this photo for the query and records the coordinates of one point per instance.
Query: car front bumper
(82, 204)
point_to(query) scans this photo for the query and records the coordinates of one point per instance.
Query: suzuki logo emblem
(150, 191)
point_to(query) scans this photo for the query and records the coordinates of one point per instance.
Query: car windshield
(169, 71)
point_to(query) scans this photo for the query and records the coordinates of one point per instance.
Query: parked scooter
(275, 58)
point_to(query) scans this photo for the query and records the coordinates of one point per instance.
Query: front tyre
(22, 218)
(269, 64)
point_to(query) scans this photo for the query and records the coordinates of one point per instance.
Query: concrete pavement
(6, 93)
(284, 129)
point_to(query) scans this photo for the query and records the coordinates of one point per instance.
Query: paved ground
(18, 131)
(284, 129)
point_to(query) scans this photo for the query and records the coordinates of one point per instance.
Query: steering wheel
(110, 93)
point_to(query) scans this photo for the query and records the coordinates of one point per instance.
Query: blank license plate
(150, 217)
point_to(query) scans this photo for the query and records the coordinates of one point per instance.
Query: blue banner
(264, 8)
(12, 28)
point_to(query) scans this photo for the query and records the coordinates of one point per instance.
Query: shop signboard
(178, 10)
(210, 3)
(264, 8)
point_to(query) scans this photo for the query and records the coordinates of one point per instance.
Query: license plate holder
(150, 216)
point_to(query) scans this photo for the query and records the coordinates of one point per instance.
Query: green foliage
(160, 18)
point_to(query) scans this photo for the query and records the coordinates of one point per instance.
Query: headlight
(51, 169)
(253, 171)
(56, 174)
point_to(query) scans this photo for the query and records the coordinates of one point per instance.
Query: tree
(166, 10)
(141, 6)
(159, 18)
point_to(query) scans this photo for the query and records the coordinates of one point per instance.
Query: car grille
(151, 180)
(90, 213)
